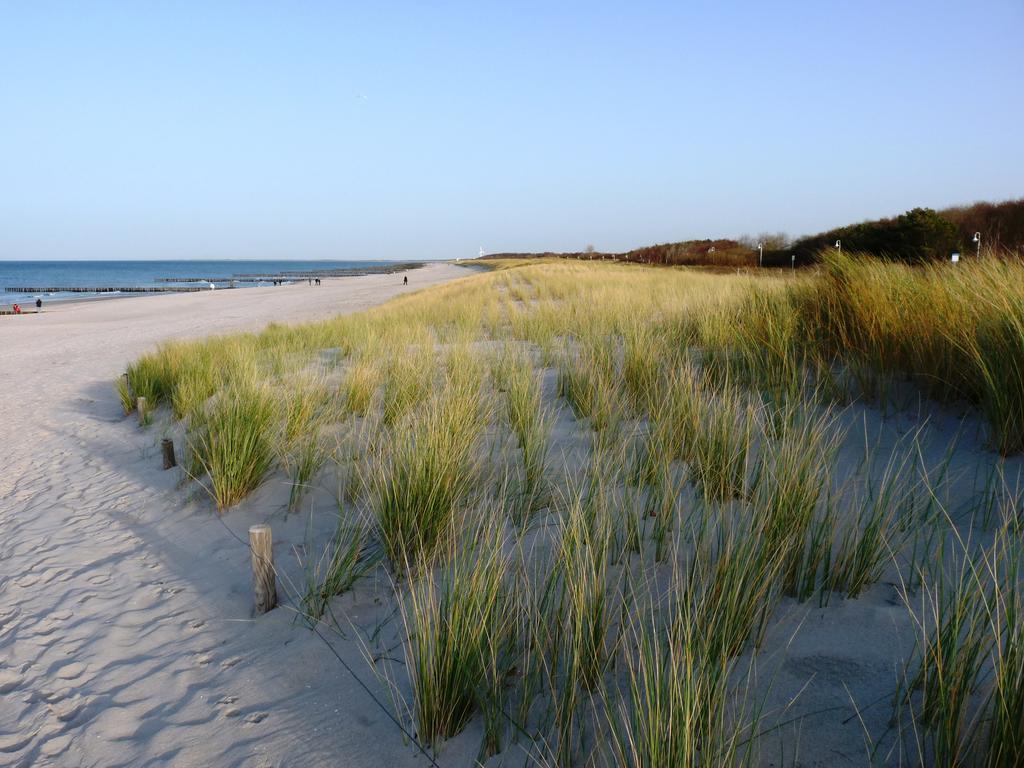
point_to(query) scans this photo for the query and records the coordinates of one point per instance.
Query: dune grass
(956, 329)
(531, 422)
(461, 642)
(235, 444)
(421, 474)
(593, 569)
(347, 558)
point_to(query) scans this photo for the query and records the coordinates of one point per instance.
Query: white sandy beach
(125, 629)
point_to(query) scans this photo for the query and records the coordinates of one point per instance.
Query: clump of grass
(589, 382)
(151, 376)
(359, 386)
(680, 702)
(674, 424)
(643, 356)
(954, 622)
(1004, 747)
(235, 445)
(882, 513)
(124, 395)
(408, 380)
(192, 389)
(731, 578)
(347, 558)
(771, 349)
(678, 706)
(531, 423)
(461, 642)
(302, 405)
(572, 620)
(302, 464)
(997, 352)
(422, 472)
(793, 475)
(721, 448)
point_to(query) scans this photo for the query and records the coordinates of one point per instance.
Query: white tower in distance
(481, 254)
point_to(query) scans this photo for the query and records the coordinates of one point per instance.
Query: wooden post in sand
(127, 385)
(264, 586)
(140, 406)
(167, 445)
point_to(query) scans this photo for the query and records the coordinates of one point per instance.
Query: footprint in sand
(204, 658)
(228, 663)
(257, 717)
(197, 624)
(98, 578)
(228, 710)
(61, 615)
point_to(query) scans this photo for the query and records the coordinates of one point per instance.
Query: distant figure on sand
(39, 304)
(318, 281)
(405, 280)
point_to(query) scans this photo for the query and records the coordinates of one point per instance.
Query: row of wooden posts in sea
(105, 289)
(304, 274)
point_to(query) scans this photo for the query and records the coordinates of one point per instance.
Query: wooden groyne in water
(79, 289)
(305, 274)
(205, 280)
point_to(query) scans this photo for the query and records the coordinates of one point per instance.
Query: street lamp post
(977, 239)
(760, 254)
(839, 246)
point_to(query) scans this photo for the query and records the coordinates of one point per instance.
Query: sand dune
(125, 628)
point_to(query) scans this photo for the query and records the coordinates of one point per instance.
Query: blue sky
(394, 130)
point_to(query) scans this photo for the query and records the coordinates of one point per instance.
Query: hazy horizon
(407, 132)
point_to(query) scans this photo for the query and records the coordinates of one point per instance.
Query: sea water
(144, 274)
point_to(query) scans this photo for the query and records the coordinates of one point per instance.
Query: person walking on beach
(405, 280)
(39, 304)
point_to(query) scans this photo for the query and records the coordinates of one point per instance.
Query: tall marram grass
(421, 473)
(235, 443)
(955, 329)
(531, 422)
(461, 636)
(792, 481)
